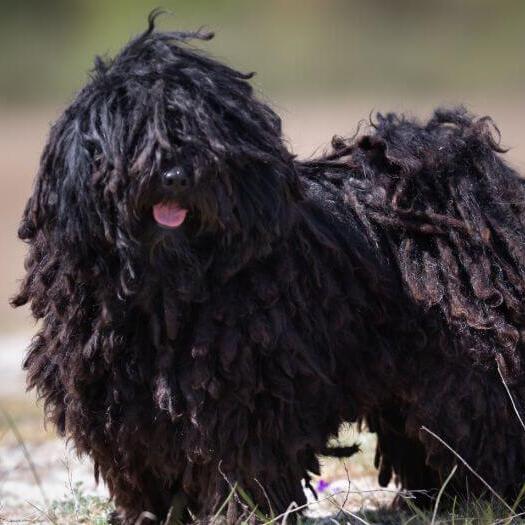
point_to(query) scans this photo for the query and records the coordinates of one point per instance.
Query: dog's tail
(452, 214)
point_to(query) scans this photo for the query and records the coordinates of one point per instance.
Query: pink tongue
(169, 214)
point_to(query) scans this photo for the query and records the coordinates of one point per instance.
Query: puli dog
(211, 309)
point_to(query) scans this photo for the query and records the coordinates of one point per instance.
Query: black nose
(176, 178)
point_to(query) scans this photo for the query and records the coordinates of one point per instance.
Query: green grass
(80, 507)
(295, 45)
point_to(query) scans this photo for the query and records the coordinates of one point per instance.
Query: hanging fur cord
(341, 451)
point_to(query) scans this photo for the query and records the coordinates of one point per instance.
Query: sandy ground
(24, 492)
(60, 473)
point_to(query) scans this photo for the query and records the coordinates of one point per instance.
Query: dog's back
(447, 216)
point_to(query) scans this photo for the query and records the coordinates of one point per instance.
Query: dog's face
(164, 147)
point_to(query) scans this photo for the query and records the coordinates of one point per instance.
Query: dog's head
(164, 148)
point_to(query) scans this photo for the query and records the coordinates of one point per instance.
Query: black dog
(213, 309)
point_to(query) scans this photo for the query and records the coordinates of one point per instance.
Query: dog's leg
(244, 494)
(474, 424)
(402, 458)
(245, 484)
(142, 498)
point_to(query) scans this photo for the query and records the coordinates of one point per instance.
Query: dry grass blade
(299, 508)
(510, 397)
(290, 510)
(448, 447)
(146, 517)
(20, 440)
(508, 520)
(249, 501)
(176, 512)
(519, 498)
(355, 516)
(416, 510)
(49, 517)
(263, 490)
(225, 502)
(440, 493)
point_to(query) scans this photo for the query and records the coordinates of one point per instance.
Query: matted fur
(381, 283)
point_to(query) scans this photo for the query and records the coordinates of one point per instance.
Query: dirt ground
(309, 126)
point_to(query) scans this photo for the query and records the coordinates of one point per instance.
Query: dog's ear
(72, 194)
(68, 220)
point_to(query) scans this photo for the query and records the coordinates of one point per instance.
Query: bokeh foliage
(300, 46)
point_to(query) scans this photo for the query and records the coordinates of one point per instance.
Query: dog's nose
(177, 179)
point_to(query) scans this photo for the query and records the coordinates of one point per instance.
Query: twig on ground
(448, 447)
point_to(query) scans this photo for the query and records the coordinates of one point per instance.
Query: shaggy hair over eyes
(212, 309)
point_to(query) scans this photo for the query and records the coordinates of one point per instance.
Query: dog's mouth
(169, 214)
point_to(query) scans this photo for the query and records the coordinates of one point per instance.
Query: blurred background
(323, 64)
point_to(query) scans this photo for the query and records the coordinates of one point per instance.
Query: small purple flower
(322, 485)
